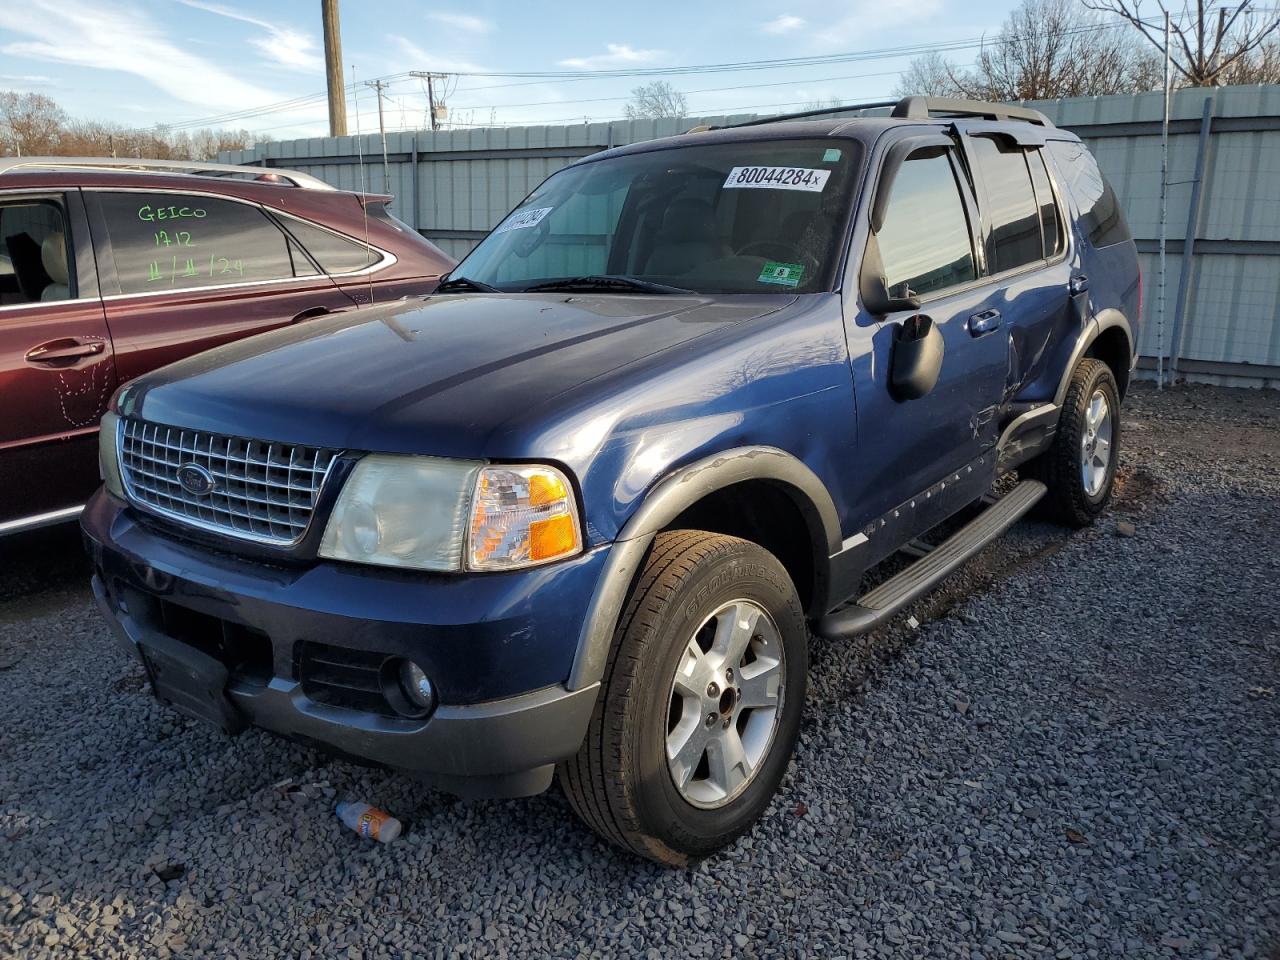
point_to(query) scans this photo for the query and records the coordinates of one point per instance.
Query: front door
(191, 272)
(56, 369)
(927, 247)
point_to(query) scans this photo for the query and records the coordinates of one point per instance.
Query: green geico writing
(148, 212)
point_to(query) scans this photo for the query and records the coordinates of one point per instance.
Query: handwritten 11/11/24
(218, 265)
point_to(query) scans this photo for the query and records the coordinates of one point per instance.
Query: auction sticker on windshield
(522, 219)
(783, 274)
(777, 178)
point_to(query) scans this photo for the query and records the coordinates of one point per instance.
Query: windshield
(744, 217)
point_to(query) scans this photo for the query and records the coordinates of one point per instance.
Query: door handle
(1078, 284)
(984, 322)
(311, 313)
(65, 349)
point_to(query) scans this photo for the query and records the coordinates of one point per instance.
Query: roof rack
(923, 108)
(191, 167)
(823, 112)
(912, 108)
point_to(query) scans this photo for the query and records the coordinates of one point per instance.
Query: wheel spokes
(725, 703)
(685, 746)
(693, 671)
(759, 684)
(735, 626)
(727, 761)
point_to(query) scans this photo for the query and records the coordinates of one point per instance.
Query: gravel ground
(1075, 754)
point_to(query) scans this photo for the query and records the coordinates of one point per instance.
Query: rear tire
(712, 648)
(1080, 468)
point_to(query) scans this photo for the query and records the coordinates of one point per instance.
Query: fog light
(417, 688)
(407, 688)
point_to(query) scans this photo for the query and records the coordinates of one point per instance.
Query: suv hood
(433, 376)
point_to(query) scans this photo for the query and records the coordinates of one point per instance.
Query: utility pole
(382, 128)
(333, 68)
(431, 94)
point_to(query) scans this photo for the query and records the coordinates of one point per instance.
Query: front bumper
(498, 654)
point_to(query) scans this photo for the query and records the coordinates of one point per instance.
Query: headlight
(426, 513)
(108, 458)
(402, 512)
(522, 516)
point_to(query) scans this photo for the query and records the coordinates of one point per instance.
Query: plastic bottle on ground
(369, 821)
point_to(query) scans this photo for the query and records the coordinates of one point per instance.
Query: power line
(571, 76)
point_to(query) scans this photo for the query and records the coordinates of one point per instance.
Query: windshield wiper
(601, 282)
(455, 284)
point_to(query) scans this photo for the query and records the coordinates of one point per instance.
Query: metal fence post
(1189, 242)
(413, 172)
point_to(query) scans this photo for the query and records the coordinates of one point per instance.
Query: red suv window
(169, 241)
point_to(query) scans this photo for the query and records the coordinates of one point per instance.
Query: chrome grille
(262, 491)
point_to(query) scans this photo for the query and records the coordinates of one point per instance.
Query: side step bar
(872, 609)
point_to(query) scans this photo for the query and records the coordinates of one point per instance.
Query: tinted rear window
(1100, 213)
(1010, 207)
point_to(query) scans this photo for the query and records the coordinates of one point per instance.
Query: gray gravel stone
(1064, 760)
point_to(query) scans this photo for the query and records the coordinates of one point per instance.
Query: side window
(1050, 222)
(1010, 211)
(166, 241)
(1100, 215)
(35, 261)
(925, 243)
(334, 253)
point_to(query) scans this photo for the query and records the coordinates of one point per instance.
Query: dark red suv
(111, 268)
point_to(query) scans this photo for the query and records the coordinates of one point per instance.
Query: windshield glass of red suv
(755, 216)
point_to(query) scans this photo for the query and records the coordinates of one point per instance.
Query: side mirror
(916, 359)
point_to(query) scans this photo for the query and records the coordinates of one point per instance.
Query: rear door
(1024, 244)
(185, 272)
(56, 370)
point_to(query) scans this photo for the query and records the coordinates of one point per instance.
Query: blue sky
(146, 62)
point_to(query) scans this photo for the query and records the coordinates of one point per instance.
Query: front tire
(1080, 468)
(700, 706)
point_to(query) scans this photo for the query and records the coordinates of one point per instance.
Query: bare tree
(1209, 47)
(1261, 66)
(31, 123)
(930, 75)
(1045, 49)
(657, 99)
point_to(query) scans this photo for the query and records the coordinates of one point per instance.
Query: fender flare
(1105, 320)
(665, 501)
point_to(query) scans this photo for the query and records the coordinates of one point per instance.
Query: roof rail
(803, 114)
(923, 108)
(193, 167)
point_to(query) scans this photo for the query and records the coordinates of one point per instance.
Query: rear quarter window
(1100, 215)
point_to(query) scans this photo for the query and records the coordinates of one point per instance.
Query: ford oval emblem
(196, 480)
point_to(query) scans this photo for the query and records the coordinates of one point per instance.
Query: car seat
(688, 236)
(53, 255)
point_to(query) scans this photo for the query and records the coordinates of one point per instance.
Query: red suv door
(189, 271)
(56, 370)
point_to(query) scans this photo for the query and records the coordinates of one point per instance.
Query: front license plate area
(190, 681)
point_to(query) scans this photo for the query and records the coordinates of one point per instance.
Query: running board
(872, 609)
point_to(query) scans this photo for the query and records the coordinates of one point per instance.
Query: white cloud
(410, 56)
(283, 45)
(462, 21)
(786, 23)
(111, 36)
(619, 55)
(867, 17)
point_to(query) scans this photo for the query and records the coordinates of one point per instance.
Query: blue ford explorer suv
(579, 511)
